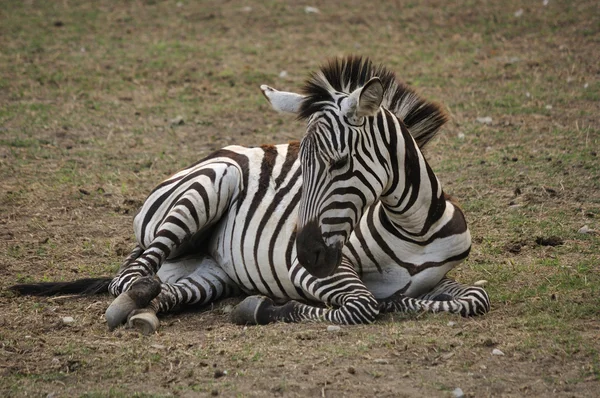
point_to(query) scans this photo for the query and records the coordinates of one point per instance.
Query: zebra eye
(338, 163)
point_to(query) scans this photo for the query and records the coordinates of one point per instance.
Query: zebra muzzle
(319, 259)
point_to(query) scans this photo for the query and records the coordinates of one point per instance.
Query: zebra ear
(365, 101)
(282, 101)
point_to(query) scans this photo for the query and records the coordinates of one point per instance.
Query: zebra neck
(416, 203)
(417, 224)
(413, 200)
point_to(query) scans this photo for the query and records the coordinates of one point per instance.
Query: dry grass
(87, 92)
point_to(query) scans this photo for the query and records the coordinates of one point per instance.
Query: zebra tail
(82, 287)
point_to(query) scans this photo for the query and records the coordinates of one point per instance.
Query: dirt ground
(100, 101)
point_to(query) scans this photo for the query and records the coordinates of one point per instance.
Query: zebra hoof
(145, 321)
(247, 312)
(142, 291)
(117, 312)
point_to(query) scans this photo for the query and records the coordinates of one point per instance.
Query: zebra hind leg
(447, 296)
(355, 304)
(190, 281)
(139, 295)
(194, 205)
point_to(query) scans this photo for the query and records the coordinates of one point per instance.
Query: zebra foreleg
(447, 296)
(355, 304)
(473, 300)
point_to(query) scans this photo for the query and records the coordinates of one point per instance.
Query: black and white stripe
(351, 217)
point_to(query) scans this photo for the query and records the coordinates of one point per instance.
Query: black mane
(344, 75)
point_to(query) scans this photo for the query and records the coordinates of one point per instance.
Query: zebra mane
(422, 118)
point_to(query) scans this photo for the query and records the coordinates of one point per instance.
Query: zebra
(347, 223)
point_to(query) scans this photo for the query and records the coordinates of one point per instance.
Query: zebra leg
(141, 292)
(188, 281)
(447, 296)
(356, 304)
(197, 205)
(474, 300)
(138, 296)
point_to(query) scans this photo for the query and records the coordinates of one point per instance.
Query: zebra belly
(394, 278)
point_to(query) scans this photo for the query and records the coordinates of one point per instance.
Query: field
(100, 101)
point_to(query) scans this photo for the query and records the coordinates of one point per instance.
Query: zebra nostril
(318, 256)
(314, 254)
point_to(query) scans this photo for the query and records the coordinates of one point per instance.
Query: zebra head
(339, 171)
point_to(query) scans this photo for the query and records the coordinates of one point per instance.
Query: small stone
(458, 393)
(283, 74)
(586, 85)
(451, 323)
(177, 121)
(461, 136)
(158, 346)
(227, 309)
(68, 320)
(585, 230)
(311, 10)
(381, 361)
(351, 370)
(545, 2)
(519, 13)
(528, 94)
(246, 9)
(548, 107)
(481, 282)
(333, 328)
(497, 352)
(484, 120)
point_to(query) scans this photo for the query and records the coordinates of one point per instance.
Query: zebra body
(253, 240)
(352, 217)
